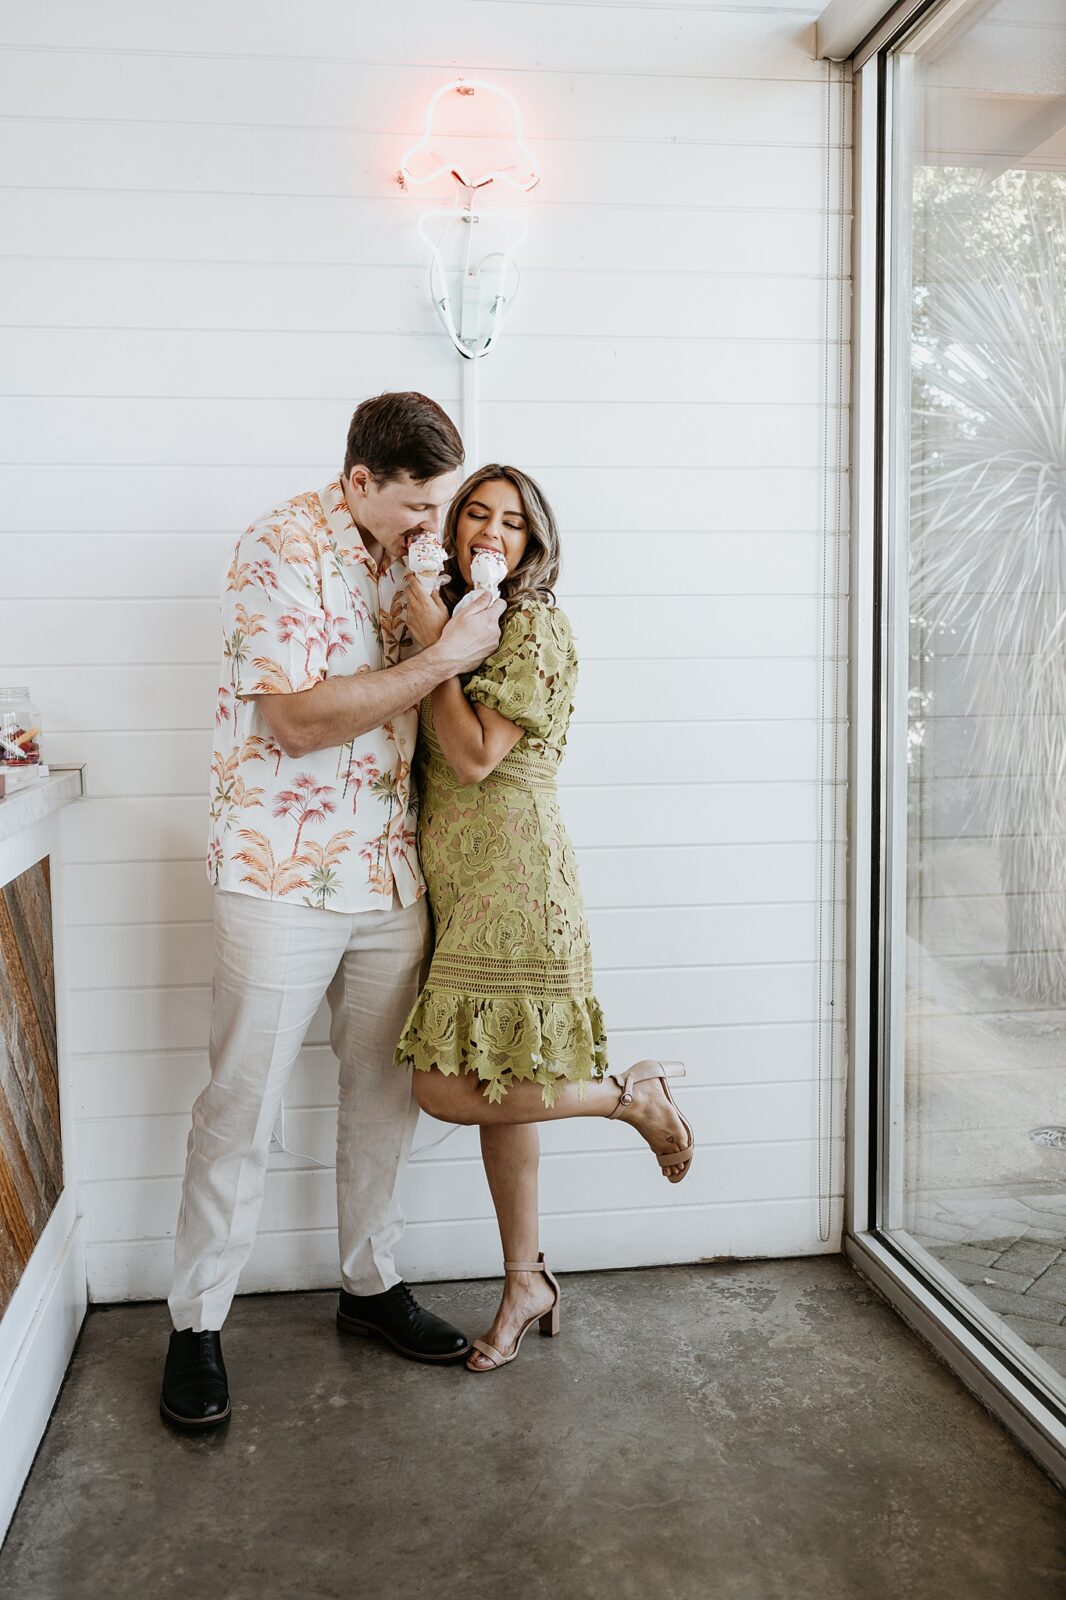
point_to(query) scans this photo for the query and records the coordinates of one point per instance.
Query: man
(318, 886)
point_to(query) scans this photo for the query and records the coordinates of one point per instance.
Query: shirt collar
(342, 526)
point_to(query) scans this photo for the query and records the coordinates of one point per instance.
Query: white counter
(40, 1324)
(39, 800)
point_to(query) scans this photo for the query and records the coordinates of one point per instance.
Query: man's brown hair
(402, 432)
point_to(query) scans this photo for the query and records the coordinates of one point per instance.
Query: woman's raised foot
(656, 1118)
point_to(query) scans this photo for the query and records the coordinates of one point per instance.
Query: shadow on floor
(764, 1430)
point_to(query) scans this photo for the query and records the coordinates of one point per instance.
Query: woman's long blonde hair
(537, 573)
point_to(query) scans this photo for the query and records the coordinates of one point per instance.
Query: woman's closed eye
(479, 516)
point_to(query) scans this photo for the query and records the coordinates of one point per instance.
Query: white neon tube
(438, 282)
(407, 178)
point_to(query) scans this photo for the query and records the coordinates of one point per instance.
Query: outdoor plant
(988, 524)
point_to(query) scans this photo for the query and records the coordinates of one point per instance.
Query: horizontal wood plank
(431, 1252)
(102, 1022)
(698, 43)
(128, 765)
(139, 499)
(98, 698)
(660, 627)
(158, 565)
(144, 954)
(146, 1084)
(103, 893)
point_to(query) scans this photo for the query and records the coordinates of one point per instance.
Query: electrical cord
(278, 1143)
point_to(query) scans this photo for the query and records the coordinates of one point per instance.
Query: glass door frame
(991, 1361)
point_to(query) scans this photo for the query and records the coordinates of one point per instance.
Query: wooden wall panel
(31, 1147)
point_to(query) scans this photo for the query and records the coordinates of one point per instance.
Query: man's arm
(340, 709)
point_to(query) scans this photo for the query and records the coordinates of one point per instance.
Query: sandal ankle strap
(626, 1096)
(539, 1265)
(642, 1072)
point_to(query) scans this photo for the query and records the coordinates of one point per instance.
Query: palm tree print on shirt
(403, 846)
(361, 772)
(269, 876)
(336, 635)
(250, 575)
(303, 602)
(294, 545)
(323, 861)
(376, 855)
(273, 679)
(344, 555)
(231, 795)
(305, 627)
(310, 629)
(246, 625)
(393, 627)
(275, 752)
(307, 801)
(384, 786)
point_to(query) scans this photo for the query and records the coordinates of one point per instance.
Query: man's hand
(471, 634)
(427, 615)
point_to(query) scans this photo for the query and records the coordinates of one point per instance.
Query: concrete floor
(764, 1430)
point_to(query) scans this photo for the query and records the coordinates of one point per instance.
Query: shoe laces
(402, 1292)
(203, 1351)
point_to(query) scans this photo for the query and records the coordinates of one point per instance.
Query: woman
(507, 1032)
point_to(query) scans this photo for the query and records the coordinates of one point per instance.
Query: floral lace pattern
(509, 994)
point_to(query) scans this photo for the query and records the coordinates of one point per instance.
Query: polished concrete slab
(764, 1430)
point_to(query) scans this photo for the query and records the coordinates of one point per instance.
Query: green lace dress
(509, 994)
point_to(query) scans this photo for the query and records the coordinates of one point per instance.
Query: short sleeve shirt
(302, 601)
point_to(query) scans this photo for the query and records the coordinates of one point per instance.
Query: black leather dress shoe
(397, 1317)
(195, 1391)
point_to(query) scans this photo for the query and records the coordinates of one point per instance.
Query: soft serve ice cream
(488, 568)
(426, 559)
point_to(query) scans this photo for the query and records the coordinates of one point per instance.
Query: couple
(331, 645)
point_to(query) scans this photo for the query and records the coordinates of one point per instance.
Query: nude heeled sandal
(638, 1073)
(549, 1320)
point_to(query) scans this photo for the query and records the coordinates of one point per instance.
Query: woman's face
(491, 519)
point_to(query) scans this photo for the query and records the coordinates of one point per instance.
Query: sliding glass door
(971, 898)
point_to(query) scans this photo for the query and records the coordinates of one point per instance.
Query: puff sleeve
(529, 676)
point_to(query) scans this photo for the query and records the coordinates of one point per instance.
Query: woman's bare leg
(511, 1153)
(459, 1097)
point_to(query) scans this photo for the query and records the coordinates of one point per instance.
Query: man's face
(393, 513)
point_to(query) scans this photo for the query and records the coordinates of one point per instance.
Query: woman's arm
(474, 738)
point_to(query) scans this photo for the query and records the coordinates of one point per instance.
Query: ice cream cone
(488, 569)
(426, 559)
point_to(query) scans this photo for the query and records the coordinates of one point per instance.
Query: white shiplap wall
(205, 265)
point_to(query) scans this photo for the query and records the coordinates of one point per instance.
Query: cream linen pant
(273, 964)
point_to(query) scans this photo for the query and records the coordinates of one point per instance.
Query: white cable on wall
(834, 479)
(278, 1142)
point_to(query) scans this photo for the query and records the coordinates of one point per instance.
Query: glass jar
(20, 731)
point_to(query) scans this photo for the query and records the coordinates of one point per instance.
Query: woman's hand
(426, 613)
